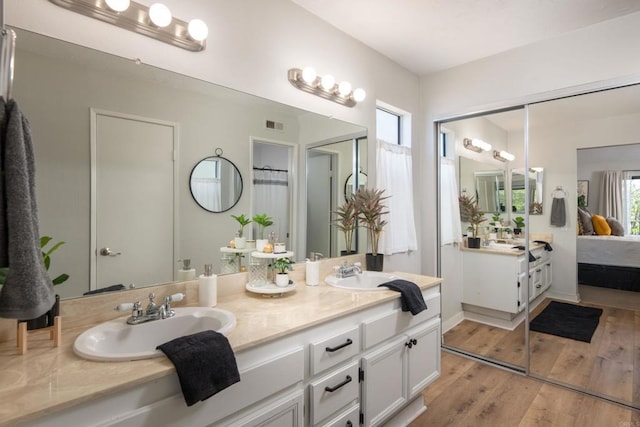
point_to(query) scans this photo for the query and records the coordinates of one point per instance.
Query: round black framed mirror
(216, 183)
(349, 184)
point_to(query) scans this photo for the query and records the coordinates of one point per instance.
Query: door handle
(109, 252)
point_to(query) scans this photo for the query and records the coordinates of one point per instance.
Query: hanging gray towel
(4, 238)
(27, 292)
(558, 212)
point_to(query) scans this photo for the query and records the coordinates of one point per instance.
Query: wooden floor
(470, 393)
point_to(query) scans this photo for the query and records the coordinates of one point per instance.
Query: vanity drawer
(333, 350)
(333, 392)
(348, 418)
(377, 330)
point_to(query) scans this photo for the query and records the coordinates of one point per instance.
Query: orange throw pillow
(600, 225)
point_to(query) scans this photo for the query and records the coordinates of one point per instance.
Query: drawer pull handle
(349, 424)
(343, 383)
(343, 345)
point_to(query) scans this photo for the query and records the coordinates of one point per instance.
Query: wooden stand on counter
(55, 334)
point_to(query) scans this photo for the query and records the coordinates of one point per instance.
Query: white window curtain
(394, 175)
(450, 224)
(611, 195)
(271, 196)
(207, 191)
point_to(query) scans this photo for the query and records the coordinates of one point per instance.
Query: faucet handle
(357, 264)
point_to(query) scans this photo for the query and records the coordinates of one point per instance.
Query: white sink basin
(115, 340)
(366, 281)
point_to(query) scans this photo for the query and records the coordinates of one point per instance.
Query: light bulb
(359, 95)
(160, 15)
(309, 75)
(507, 155)
(484, 146)
(118, 5)
(198, 30)
(328, 82)
(344, 88)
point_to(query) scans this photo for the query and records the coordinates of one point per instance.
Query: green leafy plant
(470, 212)
(46, 258)
(282, 265)
(369, 206)
(243, 221)
(346, 221)
(495, 219)
(263, 222)
(582, 202)
(519, 222)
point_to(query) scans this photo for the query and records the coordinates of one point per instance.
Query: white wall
(251, 45)
(600, 53)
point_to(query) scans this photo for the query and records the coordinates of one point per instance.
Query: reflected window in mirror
(518, 194)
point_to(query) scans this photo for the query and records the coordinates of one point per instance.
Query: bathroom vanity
(317, 356)
(494, 280)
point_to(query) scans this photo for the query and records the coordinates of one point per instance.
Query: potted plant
(369, 206)
(519, 222)
(346, 221)
(496, 221)
(263, 221)
(282, 266)
(470, 212)
(240, 240)
(46, 319)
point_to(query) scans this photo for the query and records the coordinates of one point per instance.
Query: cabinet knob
(411, 342)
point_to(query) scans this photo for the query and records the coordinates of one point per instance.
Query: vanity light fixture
(503, 156)
(325, 86)
(476, 145)
(155, 21)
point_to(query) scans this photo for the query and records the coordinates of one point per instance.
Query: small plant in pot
(240, 240)
(282, 266)
(346, 221)
(470, 212)
(46, 319)
(263, 221)
(368, 204)
(519, 222)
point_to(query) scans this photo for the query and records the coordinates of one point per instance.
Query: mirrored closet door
(585, 330)
(484, 302)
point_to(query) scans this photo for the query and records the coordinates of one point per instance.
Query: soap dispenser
(313, 269)
(186, 272)
(208, 288)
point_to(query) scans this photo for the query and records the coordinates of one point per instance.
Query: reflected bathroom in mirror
(535, 200)
(485, 182)
(60, 86)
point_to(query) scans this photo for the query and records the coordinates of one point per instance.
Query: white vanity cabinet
(496, 280)
(395, 372)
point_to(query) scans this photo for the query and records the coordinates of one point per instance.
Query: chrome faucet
(344, 270)
(153, 310)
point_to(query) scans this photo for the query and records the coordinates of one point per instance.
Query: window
(388, 126)
(393, 125)
(631, 203)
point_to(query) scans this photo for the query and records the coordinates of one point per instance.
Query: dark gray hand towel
(558, 212)
(205, 364)
(410, 295)
(27, 292)
(547, 245)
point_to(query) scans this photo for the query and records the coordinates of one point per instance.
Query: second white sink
(365, 281)
(115, 340)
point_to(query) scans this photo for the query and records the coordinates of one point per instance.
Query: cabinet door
(384, 387)
(283, 412)
(547, 276)
(423, 358)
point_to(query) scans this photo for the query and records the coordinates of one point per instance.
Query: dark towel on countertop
(547, 246)
(205, 364)
(522, 248)
(558, 212)
(112, 288)
(410, 295)
(27, 292)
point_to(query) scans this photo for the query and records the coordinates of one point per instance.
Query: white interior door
(319, 202)
(133, 200)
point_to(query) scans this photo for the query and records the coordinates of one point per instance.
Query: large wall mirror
(61, 86)
(587, 283)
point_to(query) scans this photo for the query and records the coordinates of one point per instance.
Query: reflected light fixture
(503, 156)
(156, 21)
(476, 145)
(325, 86)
